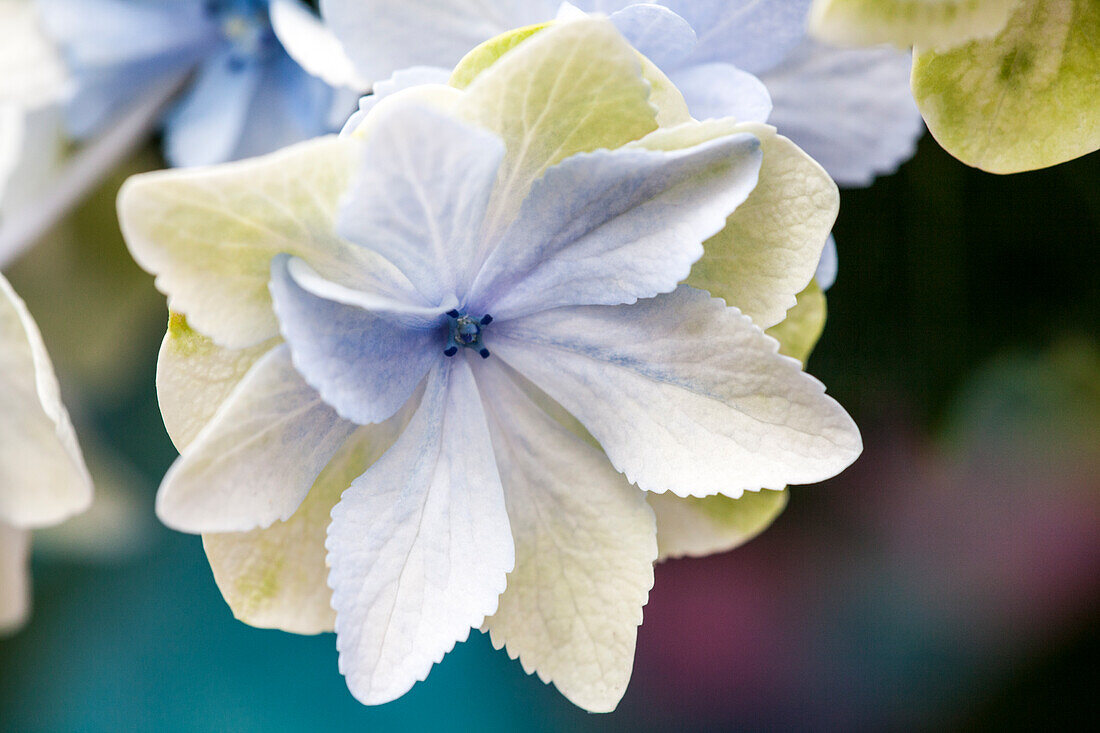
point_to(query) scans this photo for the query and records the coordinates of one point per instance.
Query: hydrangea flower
(461, 331)
(1004, 85)
(750, 59)
(120, 51)
(43, 480)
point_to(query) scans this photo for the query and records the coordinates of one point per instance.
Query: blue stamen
(465, 331)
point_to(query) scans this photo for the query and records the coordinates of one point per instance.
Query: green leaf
(1027, 99)
(939, 24)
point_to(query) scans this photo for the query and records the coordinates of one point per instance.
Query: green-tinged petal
(15, 596)
(573, 88)
(771, 245)
(799, 332)
(43, 479)
(933, 23)
(696, 527)
(277, 577)
(209, 234)
(195, 376)
(1028, 98)
(670, 104)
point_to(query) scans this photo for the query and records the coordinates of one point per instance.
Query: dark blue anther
(465, 331)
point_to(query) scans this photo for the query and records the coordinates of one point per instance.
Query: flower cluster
(508, 333)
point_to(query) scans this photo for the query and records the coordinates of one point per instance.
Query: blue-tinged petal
(419, 546)
(205, 127)
(289, 106)
(851, 109)
(405, 78)
(659, 34)
(313, 45)
(382, 36)
(827, 266)
(364, 363)
(256, 460)
(420, 196)
(613, 226)
(716, 90)
(684, 394)
(753, 35)
(585, 546)
(99, 33)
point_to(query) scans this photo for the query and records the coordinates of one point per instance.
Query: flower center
(465, 331)
(245, 25)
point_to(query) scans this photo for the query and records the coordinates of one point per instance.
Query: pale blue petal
(289, 106)
(717, 90)
(613, 226)
(420, 545)
(420, 196)
(365, 364)
(205, 127)
(828, 265)
(683, 394)
(411, 77)
(659, 34)
(850, 109)
(753, 35)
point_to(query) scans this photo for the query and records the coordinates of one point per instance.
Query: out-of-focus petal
(938, 24)
(313, 45)
(585, 546)
(851, 110)
(684, 394)
(585, 235)
(257, 458)
(15, 592)
(659, 34)
(42, 471)
(206, 126)
(419, 546)
(716, 90)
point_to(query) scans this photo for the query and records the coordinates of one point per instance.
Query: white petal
(684, 394)
(15, 586)
(613, 226)
(419, 546)
(209, 234)
(401, 80)
(255, 461)
(382, 36)
(585, 546)
(851, 109)
(696, 527)
(313, 45)
(277, 577)
(420, 195)
(43, 479)
(828, 265)
(659, 34)
(32, 72)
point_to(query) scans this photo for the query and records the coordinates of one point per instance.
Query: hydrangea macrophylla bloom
(849, 109)
(244, 80)
(1004, 85)
(461, 329)
(43, 479)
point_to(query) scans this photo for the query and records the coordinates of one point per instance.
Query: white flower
(469, 312)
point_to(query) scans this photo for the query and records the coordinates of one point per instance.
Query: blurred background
(949, 580)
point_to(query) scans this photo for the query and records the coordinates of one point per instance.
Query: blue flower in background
(243, 93)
